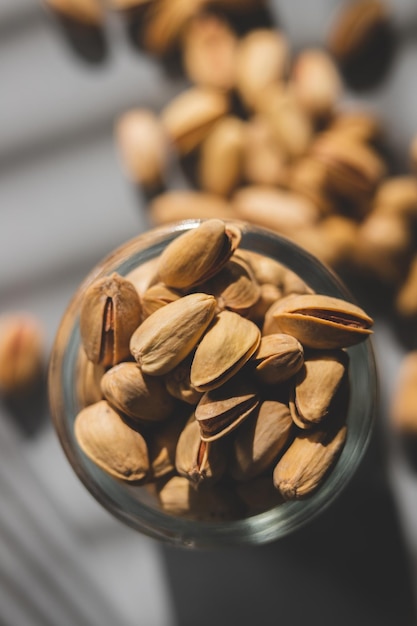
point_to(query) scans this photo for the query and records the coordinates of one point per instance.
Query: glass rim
(260, 528)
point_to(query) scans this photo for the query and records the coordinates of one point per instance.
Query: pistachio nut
(178, 205)
(262, 58)
(384, 247)
(354, 168)
(223, 409)
(21, 352)
(225, 347)
(305, 464)
(111, 443)
(277, 358)
(221, 157)
(319, 386)
(177, 496)
(139, 396)
(320, 321)
(316, 82)
(397, 195)
(234, 287)
(289, 123)
(403, 409)
(265, 269)
(110, 312)
(260, 439)
(197, 254)
(208, 51)
(264, 162)
(157, 296)
(178, 382)
(279, 210)
(189, 117)
(268, 295)
(199, 461)
(165, 23)
(143, 148)
(157, 348)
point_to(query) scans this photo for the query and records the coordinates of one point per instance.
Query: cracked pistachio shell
(110, 312)
(167, 336)
(140, 396)
(260, 439)
(199, 461)
(305, 464)
(189, 117)
(110, 443)
(198, 254)
(320, 321)
(318, 387)
(221, 410)
(234, 287)
(226, 346)
(278, 358)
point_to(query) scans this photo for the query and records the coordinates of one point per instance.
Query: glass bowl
(136, 507)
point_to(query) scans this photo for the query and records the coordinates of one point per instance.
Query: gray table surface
(64, 205)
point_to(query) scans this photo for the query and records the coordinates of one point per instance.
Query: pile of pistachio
(264, 135)
(214, 377)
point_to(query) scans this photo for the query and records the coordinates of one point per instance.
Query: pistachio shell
(198, 254)
(277, 358)
(317, 387)
(162, 444)
(225, 348)
(221, 410)
(199, 461)
(88, 377)
(259, 440)
(110, 312)
(188, 118)
(179, 385)
(139, 396)
(235, 286)
(110, 443)
(320, 321)
(306, 463)
(157, 348)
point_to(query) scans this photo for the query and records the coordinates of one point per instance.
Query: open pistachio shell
(320, 321)
(221, 410)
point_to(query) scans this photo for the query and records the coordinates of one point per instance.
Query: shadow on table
(349, 566)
